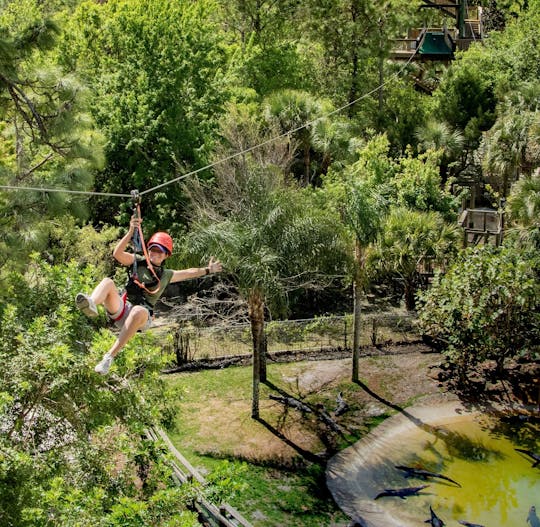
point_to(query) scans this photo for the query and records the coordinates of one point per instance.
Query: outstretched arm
(119, 253)
(214, 266)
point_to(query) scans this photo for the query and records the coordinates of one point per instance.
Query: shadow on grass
(306, 454)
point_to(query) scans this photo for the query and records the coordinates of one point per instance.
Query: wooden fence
(210, 515)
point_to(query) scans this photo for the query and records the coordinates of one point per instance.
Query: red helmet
(163, 240)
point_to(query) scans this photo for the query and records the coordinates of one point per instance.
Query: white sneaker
(86, 305)
(103, 367)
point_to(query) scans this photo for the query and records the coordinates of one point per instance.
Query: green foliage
(156, 71)
(71, 440)
(403, 111)
(270, 235)
(271, 68)
(348, 41)
(84, 244)
(225, 482)
(486, 306)
(524, 211)
(48, 138)
(506, 146)
(418, 186)
(408, 237)
(465, 99)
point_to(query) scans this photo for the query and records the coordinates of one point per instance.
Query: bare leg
(107, 295)
(137, 319)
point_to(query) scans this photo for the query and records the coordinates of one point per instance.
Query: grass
(278, 488)
(214, 424)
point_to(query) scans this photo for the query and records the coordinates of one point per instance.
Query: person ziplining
(132, 310)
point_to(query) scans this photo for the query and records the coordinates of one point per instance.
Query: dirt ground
(389, 380)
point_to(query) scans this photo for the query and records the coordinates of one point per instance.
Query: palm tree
(437, 135)
(503, 148)
(291, 110)
(524, 209)
(510, 148)
(269, 234)
(363, 213)
(407, 237)
(359, 194)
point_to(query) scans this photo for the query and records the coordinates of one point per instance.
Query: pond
(492, 485)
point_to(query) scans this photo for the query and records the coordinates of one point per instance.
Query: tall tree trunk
(353, 89)
(256, 319)
(410, 293)
(307, 163)
(358, 286)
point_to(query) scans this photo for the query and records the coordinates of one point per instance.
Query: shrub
(485, 307)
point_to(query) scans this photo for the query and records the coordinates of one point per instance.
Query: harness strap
(138, 242)
(123, 310)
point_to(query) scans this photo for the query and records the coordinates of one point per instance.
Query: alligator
(434, 521)
(424, 474)
(532, 519)
(401, 493)
(531, 454)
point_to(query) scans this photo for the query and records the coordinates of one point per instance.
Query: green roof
(435, 44)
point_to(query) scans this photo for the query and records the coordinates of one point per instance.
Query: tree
(465, 99)
(356, 195)
(270, 235)
(505, 146)
(524, 210)
(352, 38)
(408, 236)
(157, 72)
(363, 213)
(292, 111)
(264, 52)
(485, 307)
(48, 139)
(436, 135)
(61, 424)
(418, 185)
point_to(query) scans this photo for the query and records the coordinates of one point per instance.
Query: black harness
(135, 289)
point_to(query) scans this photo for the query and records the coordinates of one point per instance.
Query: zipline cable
(223, 160)
(284, 134)
(66, 191)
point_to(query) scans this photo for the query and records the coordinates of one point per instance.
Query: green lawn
(215, 432)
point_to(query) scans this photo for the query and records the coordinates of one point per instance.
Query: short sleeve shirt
(146, 277)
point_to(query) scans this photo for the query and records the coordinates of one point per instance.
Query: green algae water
(496, 485)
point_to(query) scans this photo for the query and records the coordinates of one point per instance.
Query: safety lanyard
(140, 246)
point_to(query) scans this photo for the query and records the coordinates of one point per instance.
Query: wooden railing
(183, 472)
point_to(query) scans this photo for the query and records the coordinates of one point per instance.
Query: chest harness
(135, 287)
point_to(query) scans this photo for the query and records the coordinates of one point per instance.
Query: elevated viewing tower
(440, 43)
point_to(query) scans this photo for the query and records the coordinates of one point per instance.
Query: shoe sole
(83, 305)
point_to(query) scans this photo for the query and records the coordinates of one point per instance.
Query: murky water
(496, 486)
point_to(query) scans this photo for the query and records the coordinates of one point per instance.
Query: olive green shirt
(146, 277)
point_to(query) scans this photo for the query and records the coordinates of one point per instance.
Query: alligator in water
(531, 454)
(434, 521)
(401, 493)
(532, 519)
(424, 474)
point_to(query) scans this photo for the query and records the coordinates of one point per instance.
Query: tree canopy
(313, 159)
